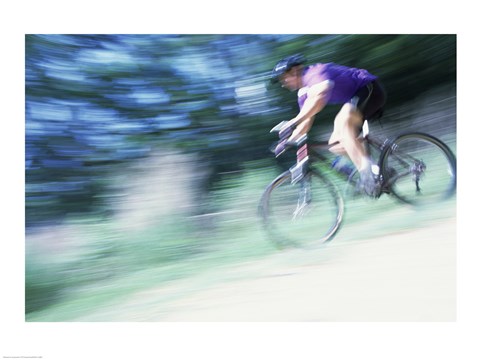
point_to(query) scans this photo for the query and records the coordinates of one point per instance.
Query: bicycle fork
(299, 175)
(304, 197)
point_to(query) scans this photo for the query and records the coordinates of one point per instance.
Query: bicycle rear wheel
(419, 169)
(304, 214)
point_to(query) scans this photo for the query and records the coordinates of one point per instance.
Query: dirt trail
(408, 276)
(404, 277)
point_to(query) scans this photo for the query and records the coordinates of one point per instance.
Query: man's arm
(317, 98)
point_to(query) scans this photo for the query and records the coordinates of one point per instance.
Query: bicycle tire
(316, 223)
(419, 169)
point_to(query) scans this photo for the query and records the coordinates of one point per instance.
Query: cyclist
(321, 84)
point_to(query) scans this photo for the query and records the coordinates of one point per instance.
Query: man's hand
(286, 130)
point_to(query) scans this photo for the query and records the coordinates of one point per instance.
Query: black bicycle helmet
(284, 65)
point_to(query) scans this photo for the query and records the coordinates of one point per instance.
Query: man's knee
(348, 118)
(338, 149)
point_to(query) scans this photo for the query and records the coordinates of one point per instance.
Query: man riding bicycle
(318, 85)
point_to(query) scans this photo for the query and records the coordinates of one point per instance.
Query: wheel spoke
(302, 214)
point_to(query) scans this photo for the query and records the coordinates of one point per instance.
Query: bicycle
(303, 202)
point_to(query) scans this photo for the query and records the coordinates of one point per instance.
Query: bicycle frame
(314, 151)
(394, 158)
(310, 151)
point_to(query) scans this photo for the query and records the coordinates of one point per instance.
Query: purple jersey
(347, 81)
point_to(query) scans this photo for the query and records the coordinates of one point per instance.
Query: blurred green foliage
(94, 102)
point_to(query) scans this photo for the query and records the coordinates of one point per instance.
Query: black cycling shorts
(370, 100)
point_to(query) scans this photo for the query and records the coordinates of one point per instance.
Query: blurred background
(146, 155)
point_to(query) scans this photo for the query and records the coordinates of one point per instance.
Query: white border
(237, 341)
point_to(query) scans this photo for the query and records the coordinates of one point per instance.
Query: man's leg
(345, 131)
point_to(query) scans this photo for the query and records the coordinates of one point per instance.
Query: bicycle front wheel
(419, 169)
(304, 214)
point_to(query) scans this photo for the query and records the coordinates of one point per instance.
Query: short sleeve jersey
(347, 81)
